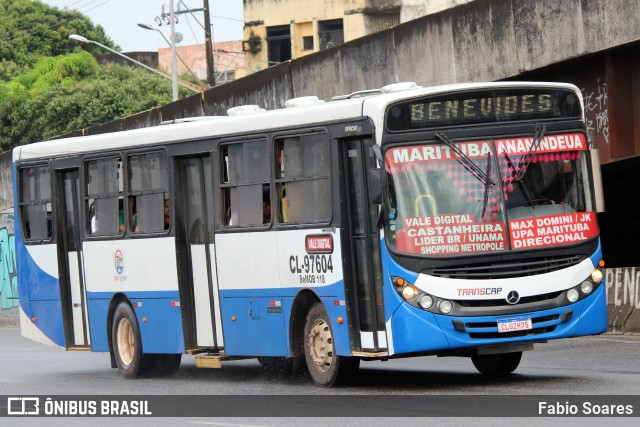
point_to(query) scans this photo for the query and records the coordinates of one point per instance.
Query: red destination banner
(428, 153)
(450, 235)
(553, 230)
(548, 144)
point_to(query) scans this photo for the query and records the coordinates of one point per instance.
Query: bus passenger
(167, 214)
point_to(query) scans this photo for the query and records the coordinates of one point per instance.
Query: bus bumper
(416, 331)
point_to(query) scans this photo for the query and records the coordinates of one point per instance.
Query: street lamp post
(175, 93)
(177, 36)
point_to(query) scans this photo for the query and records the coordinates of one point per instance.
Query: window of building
(278, 44)
(307, 43)
(148, 191)
(331, 33)
(302, 178)
(225, 76)
(104, 200)
(35, 203)
(245, 184)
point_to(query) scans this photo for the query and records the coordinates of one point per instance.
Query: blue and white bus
(453, 221)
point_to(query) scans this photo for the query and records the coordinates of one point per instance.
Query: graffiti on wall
(596, 109)
(8, 278)
(623, 286)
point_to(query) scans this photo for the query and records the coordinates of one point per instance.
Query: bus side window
(245, 184)
(302, 178)
(148, 190)
(35, 203)
(104, 195)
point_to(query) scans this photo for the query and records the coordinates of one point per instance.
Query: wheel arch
(303, 302)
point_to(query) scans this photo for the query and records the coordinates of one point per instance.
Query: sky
(119, 18)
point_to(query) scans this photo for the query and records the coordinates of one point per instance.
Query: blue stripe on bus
(261, 327)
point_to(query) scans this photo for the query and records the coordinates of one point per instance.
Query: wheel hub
(126, 341)
(321, 345)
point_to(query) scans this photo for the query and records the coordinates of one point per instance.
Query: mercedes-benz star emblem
(513, 297)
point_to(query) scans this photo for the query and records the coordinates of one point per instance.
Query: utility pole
(172, 17)
(208, 45)
(174, 60)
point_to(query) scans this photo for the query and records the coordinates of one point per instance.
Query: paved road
(604, 365)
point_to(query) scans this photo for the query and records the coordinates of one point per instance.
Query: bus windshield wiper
(466, 162)
(485, 197)
(526, 160)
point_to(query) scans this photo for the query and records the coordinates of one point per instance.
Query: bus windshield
(532, 192)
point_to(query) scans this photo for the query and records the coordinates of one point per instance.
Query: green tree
(51, 101)
(50, 85)
(30, 30)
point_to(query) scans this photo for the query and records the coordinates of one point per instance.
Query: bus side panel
(39, 292)
(336, 308)
(256, 319)
(158, 314)
(254, 326)
(321, 272)
(144, 270)
(98, 311)
(162, 330)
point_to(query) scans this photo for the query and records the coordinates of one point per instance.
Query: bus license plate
(513, 325)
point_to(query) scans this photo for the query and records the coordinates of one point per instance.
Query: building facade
(228, 60)
(276, 31)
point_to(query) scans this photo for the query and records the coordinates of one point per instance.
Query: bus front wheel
(325, 366)
(497, 364)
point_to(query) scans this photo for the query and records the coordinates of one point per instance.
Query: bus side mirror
(597, 179)
(375, 186)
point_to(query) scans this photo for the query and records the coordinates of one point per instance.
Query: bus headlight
(445, 306)
(425, 301)
(586, 287)
(409, 292)
(572, 295)
(596, 276)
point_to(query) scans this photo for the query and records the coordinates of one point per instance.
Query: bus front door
(363, 275)
(196, 254)
(70, 265)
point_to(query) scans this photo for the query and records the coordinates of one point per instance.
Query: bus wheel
(497, 364)
(325, 366)
(125, 338)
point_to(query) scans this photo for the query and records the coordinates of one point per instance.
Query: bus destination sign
(483, 107)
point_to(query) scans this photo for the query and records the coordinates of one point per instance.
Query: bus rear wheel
(325, 366)
(497, 364)
(125, 338)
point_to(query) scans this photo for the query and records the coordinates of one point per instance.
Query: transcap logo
(23, 406)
